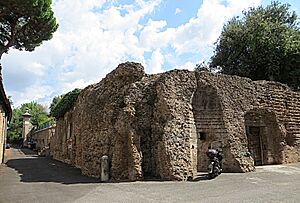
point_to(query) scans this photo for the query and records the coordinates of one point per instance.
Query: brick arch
(210, 127)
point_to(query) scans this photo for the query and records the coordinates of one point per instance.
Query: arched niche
(263, 136)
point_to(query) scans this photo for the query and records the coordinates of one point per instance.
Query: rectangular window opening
(202, 136)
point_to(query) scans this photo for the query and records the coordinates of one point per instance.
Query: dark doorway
(255, 144)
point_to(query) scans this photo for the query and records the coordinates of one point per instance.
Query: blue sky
(94, 36)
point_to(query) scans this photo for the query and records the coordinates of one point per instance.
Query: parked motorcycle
(214, 167)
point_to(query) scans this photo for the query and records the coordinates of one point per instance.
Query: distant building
(5, 116)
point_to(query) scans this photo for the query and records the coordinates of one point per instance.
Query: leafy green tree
(14, 132)
(38, 117)
(24, 24)
(38, 112)
(264, 44)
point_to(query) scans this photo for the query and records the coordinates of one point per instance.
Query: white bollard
(104, 168)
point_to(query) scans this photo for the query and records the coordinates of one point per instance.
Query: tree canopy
(54, 103)
(38, 117)
(24, 24)
(264, 44)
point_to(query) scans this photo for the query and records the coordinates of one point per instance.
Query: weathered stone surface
(173, 126)
(225, 106)
(161, 125)
(143, 125)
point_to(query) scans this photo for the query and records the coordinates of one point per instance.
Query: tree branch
(13, 34)
(3, 12)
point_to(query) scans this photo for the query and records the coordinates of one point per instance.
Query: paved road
(28, 178)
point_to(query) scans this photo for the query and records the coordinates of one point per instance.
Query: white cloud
(203, 30)
(152, 37)
(177, 11)
(80, 83)
(186, 66)
(36, 68)
(198, 34)
(156, 62)
(89, 43)
(36, 91)
(94, 36)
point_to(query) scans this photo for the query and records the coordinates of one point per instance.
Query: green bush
(64, 104)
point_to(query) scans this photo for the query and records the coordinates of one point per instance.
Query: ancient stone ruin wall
(175, 126)
(98, 128)
(292, 126)
(144, 123)
(59, 142)
(260, 104)
(160, 125)
(208, 117)
(286, 105)
(226, 99)
(139, 102)
(265, 121)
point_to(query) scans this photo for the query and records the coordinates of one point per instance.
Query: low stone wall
(42, 137)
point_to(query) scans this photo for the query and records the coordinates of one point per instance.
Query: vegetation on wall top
(62, 104)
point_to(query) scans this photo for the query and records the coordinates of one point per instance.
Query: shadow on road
(44, 169)
(33, 168)
(28, 151)
(200, 178)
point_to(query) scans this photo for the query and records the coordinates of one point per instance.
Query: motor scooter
(214, 167)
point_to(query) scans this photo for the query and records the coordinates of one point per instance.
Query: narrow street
(29, 178)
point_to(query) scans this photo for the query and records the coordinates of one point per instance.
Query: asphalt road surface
(29, 178)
